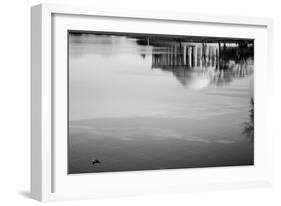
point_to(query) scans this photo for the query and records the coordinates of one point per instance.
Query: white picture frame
(48, 178)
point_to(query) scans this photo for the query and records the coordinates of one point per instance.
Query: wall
(15, 95)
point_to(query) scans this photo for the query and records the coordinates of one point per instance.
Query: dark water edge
(160, 169)
(134, 144)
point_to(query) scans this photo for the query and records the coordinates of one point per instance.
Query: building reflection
(219, 62)
(213, 59)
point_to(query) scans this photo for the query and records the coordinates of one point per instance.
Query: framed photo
(137, 102)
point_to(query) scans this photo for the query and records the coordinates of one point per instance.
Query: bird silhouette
(95, 161)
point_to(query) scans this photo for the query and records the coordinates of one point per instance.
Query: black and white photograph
(157, 101)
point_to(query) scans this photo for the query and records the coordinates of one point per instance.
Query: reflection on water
(249, 125)
(139, 102)
(219, 65)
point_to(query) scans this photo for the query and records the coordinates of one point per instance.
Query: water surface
(136, 105)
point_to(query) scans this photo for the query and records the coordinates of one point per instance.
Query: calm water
(134, 106)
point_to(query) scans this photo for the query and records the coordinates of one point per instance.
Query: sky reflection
(115, 76)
